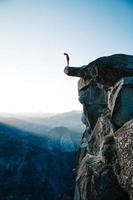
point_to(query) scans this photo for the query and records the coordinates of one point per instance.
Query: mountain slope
(29, 170)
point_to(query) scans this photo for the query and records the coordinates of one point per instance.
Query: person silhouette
(67, 58)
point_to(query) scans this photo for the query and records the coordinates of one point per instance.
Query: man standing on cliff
(67, 58)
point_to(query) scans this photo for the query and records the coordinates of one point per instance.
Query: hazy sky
(35, 33)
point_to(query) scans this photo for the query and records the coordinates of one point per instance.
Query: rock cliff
(105, 156)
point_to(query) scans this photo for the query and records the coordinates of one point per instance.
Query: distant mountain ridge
(35, 123)
(71, 120)
(36, 158)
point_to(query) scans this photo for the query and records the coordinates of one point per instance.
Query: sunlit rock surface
(105, 155)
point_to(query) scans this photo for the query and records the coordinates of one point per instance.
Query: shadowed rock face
(121, 102)
(92, 180)
(94, 100)
(105, 89)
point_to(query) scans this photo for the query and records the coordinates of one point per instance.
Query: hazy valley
(37, 155)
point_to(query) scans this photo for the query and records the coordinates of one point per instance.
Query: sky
(34, 34)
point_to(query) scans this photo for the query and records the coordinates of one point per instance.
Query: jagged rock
(124, 162)
(93, 94)
(94, 100)
(121, 102)
(102, 128)
(84, 147)
(108, 150)
(107, 70)
(105, 166)
(92, 176)
(84, 120)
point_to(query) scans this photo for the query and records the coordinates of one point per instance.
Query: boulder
(121, 102)
(124, 162)
(94, 100)
(91, 179)
(102, 128)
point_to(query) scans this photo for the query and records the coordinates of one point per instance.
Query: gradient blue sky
(35, 33)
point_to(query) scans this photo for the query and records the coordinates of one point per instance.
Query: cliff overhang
(105, 159)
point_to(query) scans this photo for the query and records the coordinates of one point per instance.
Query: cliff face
(105, 156)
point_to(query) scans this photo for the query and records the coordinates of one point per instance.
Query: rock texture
(105, 156)
(107, 70)
(121, 102)
(124, 162)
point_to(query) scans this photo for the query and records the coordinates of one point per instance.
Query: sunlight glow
(33, 36)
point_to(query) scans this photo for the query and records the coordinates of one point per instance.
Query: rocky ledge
(105, 156)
